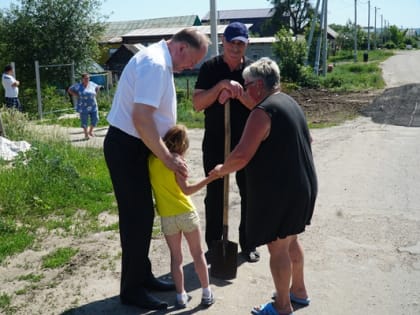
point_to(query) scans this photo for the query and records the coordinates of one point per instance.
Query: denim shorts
(84, 118)
(184, 222)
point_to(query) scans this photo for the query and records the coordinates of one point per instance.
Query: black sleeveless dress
(281, 178)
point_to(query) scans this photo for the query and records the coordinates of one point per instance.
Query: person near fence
(143, 109)
(179, 217)
(220, 78)
(11, 88)
(275, 150)
(86, 105)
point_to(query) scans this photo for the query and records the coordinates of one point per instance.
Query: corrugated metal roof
(114, 30)
(164, 31)
(240, 14)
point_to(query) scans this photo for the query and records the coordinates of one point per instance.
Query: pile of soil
(327, 107)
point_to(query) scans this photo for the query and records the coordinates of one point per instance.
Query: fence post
(2, 131)
(38, 89)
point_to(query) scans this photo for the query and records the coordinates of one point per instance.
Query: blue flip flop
(295, 299)
(267, 309)
(300, 301)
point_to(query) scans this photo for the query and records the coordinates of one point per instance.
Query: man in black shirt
(219, 79)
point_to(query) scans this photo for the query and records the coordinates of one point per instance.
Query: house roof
(114, 30)
(331, 32)
(134, 48)
(169, 31)
(240, 14)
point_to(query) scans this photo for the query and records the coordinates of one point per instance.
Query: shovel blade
(224, 255)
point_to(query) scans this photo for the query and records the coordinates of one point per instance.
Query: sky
(402, 13)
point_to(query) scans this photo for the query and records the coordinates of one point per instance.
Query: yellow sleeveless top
(169, 198)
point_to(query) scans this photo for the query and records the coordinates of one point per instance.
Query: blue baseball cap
(236, 31)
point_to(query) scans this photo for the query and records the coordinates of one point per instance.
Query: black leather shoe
(146, 301)
(159, 285)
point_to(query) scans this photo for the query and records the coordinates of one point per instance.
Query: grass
(5, 301)
(59, 257)
(49, 187)
(355, 76)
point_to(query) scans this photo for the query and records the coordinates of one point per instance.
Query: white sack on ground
(10, 149)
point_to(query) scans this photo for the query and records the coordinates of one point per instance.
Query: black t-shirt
(211, 72)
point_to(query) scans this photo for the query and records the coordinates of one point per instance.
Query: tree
(292, 14)
(345, 39)
(291, 53)
(52, 32)
(396, 36)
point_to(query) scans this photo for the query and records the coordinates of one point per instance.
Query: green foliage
(354, 76)
(396, 36)
(391, 45)
(345, 39)
(31, 277)
(185, 112)
(47, 186)
(291, 54)
(300, 12)
(52, 32)
(188, 116)
(15, 124)
(5, 301)
(13, 239)
(59, 257)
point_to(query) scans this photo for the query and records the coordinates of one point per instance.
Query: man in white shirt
(143, 109)
(11, 88)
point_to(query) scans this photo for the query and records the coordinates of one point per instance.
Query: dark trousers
(13, 102)
(126, 158)
(214, 201)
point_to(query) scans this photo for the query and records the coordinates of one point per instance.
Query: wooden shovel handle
(226, 178)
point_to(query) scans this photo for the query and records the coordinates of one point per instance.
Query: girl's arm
(190, 189)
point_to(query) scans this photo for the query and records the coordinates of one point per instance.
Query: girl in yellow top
(179, 217)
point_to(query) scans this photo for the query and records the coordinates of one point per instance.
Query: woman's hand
(216, 171)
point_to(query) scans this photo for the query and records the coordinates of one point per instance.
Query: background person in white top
(143, 109)
(11, 88)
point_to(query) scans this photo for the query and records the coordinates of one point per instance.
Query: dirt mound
(327, 107)
(396, 106)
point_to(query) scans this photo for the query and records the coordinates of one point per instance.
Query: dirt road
(362, 250)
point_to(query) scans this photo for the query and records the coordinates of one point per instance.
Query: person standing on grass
(86, 105)
(179, 216)
(143, 110)
(11, 88)
(219, 79)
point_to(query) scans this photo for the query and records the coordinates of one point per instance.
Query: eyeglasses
(248, 84)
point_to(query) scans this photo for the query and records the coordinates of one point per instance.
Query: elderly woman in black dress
(275, 150)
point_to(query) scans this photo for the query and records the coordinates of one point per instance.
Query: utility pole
(311, 33)
(319, 41)
(376, 46)
(368, 48)
(355, 30)
(325, 51)
(213, 28)
(382, 28)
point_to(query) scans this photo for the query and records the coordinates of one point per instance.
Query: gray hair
(265, 69)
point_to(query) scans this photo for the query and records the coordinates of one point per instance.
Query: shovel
(224, 253)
